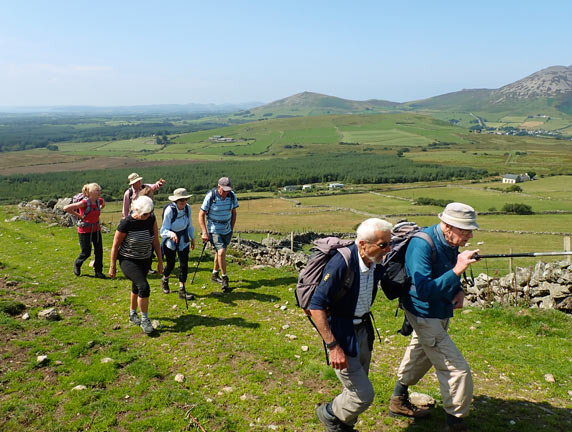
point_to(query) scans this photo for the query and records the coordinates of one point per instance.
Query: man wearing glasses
(435, 292)
(344, 321)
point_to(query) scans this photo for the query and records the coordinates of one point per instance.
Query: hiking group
(136, 239)
(430, 289)
(336, 289)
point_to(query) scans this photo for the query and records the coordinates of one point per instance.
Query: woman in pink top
(89, 230)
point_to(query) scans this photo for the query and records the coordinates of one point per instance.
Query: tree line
(265, 175)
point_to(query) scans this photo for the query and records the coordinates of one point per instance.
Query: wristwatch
(332, 344)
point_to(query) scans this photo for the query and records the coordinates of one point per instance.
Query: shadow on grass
(489, 414)
(236, 295)
(274, 282)
(186, 322)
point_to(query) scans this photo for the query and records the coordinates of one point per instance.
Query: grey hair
(366, 230)
(142, 205)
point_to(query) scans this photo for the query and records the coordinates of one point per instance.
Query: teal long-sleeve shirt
(433, 282)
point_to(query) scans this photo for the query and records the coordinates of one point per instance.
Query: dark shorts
(220, 241)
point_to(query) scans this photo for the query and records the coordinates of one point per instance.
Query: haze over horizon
(144, 53)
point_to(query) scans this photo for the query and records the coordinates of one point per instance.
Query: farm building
(513, 178)
(336, 185)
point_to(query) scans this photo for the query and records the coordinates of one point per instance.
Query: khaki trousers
(431, 345)
(358, 393)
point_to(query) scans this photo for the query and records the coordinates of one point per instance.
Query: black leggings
(136, 271)
(85, 241)
(183, 262)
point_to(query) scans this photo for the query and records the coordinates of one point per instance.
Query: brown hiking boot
(401, 406)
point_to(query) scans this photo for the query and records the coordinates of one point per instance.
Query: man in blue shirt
(217, 217)
(345, 324)
(435, 292)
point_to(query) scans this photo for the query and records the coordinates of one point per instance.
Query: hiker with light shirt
(135, 186)
(435, 273)
(216, 219)
(178, 236)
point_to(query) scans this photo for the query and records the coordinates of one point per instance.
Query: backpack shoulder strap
(348, 280)
(428, 239)
(173, 208)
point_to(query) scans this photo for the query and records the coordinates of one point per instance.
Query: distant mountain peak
(550, 82)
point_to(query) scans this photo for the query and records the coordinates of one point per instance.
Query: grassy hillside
(243, 371)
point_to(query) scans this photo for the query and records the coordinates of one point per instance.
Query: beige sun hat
(180, 193)
(460, 215)
(134, 178)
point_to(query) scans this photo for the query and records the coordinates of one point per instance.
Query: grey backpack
(311, 275)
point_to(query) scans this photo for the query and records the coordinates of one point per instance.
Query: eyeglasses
(381, 245)
(464, 232)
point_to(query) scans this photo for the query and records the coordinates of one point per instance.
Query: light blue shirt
(181, 223)
(219, 213)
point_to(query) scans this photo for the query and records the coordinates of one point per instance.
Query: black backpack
(395, 283)
(174, 211)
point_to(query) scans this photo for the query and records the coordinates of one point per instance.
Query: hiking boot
(184, 295)
(216, 278)
(401, 406)
(224, 284)
(165, 286)
(100, 275)
(134, 319)
(146, 325)
(76, 269)
(331, 425)
(457, 427)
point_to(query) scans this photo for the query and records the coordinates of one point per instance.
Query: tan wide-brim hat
(460, 215)
(134, 178)
(180, 193)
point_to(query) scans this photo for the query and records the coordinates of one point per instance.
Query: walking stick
(200, 258)
(516, 255)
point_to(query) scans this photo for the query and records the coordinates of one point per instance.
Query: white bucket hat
(180, 193)
(460, 216)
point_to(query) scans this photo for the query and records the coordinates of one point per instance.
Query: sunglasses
(381, 245)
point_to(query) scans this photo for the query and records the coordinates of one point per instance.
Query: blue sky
(125, 52)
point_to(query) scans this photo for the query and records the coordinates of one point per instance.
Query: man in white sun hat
(435, 272)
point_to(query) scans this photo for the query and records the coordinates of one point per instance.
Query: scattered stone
(42, 360)
(90, 344)
(549, 378)
(285, 327)
(79, 387)
(305, 348)
(174, 307)
(512, 422)
(291, 336)
(59, 362)
(283, 307)
(227, 389)
(156, 324)
(180, 378)
(272, 427)
(127, 396)
(50, 314)
(26, 316)
(421, 399)
(116, 327)
(107, 360)
(243, 397)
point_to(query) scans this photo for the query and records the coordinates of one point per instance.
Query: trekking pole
(200, 259)
(518, 255)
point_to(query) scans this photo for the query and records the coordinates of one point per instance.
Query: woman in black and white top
(135, 239)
